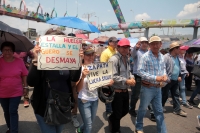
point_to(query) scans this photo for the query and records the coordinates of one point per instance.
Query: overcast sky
(133, 10)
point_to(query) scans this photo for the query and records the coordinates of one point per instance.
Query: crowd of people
(150, 74)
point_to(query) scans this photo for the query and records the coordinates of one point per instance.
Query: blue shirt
(150, 66)
(136, 54)
(176, 69)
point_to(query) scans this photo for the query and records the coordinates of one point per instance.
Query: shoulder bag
(58, 109)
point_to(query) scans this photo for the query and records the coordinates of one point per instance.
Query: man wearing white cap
(152, 70)
(174, 77)
(137, 52)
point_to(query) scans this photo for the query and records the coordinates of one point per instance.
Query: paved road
(174, 123)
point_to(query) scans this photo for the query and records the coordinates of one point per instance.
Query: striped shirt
(150, 66)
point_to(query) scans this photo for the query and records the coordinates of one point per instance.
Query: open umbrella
(189, 42)
(21, 42)
(73, 22)
(197, 42)
(103, 39)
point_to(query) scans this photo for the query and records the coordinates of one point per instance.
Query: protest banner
(99, 75)
(59, 52)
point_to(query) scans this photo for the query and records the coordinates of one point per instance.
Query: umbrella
(73, 22)
(133, 41)
(197, 42)
(103, 39)
(194, 48)
(83, 36)
(21, 42)
(189, 42)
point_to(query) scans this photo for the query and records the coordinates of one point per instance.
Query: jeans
(182, 89)
(196, 91)
(108, 107)
(151, 95)
(88, 110)
(45, 128)
(135, 92)
(173, 86)
(10, 109)
(150, 107)
(120, 106)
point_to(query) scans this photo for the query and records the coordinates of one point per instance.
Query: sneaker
(108, 115)
(198, 106)
(192, 103)
(132, 113)
(187, 106)
(26, 103)
(78, 130)
(181, 113)
(75, 121)
(152, 117)
(198, 119)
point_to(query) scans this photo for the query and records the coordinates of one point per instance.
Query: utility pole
(88, 16)
(98, 24)
(133, 14)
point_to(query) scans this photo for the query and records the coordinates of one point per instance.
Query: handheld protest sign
(59, 52)
(99, 75)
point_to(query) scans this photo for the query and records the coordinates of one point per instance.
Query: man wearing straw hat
(152, 70)
(174, 77)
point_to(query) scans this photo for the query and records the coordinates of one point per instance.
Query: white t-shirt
(85, 93)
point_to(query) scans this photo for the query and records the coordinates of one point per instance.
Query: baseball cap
(154, 39)
(184, 47)
(173, 45)
(142, 39)
(124, 42)
(112, 39)
(89, 51)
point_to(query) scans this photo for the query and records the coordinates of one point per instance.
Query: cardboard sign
(59, 52)
(100, 74)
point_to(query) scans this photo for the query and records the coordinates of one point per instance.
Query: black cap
(112, 39)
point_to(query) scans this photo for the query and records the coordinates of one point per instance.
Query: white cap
(143, 39)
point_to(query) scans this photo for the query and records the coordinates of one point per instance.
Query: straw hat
(154, 39)
(173, 45)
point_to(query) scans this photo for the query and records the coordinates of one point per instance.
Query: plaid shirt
(150, 66)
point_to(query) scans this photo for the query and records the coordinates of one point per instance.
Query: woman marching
(64, 81)
(87, 100)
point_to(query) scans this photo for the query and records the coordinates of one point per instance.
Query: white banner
(59, 52)
(100, 74)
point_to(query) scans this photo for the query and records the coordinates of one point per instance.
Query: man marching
(152, 70)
